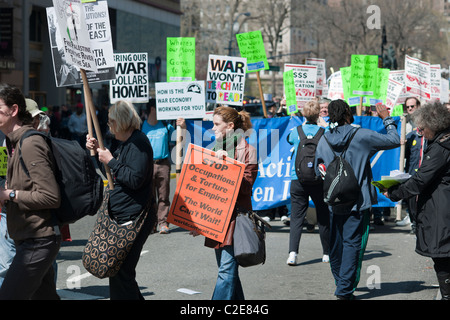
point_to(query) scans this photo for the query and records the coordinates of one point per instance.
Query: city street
(177, 266)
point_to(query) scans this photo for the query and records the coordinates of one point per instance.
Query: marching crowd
(140, 167)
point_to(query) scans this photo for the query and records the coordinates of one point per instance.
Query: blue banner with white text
(269, 137)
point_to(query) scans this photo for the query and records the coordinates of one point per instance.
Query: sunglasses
(420, 129)
(407, 107)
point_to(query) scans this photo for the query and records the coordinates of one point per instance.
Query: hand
(181, 123)
(104, 156)
(91, 143)
(382, 111)
(386, 194)
(194, 233)
(221, 154)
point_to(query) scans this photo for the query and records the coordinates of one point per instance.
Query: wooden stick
(93, 116)
(179, 152)
(402, 160)
(261, 94)
(359, 107)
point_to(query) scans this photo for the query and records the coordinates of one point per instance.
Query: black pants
(123, 285)
(442, 268)
(300, 194)
(31, 275)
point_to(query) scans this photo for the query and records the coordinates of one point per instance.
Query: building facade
(25, 54)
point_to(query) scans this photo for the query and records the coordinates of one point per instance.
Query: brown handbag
(109, 242)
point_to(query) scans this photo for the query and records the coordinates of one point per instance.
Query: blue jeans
(7, 248)
(228, 285)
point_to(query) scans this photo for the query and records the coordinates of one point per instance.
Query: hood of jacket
(444, 139)
(339, 136)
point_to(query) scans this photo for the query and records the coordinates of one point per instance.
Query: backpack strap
(316, 137)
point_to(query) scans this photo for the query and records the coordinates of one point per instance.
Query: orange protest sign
(206, 193)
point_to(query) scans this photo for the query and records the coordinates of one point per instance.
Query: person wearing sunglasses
(431, 186)
(411, 105)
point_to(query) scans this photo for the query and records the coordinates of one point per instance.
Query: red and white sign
(305, 81)
(418, 78)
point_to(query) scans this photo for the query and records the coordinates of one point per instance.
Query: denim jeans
(7, 248)
(228, 285)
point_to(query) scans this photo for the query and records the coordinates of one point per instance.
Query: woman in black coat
(431, 184)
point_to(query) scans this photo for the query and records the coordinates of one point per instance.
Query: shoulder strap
(301, 133)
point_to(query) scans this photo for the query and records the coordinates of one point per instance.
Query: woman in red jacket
(228, 128)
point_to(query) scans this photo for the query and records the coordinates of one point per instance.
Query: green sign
(289, 92)
(180, 59)
(251, 46)
(363, 75)
(3, 161)
(346, 74)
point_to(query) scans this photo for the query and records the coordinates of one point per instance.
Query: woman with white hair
(132, 170)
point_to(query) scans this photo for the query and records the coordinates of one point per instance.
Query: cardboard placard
(289, 92)
(251, 46)
(418, 78)
(206, 193)
(131, 83)
(225, 82)
(180, 59)
(305, 80)
(180, 100)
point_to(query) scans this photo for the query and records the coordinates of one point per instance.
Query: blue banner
(269, 137)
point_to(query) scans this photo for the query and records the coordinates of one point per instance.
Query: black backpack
(340, 186)
(80, 185)
(306, 154)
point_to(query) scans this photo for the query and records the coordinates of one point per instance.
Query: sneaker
(326, 258)
(292, 260)
(164, 230)
(285, 219)
(266, 219)
(404, 222)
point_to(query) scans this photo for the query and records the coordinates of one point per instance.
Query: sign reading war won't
(206, 193)
(131, 83)
(225, 82)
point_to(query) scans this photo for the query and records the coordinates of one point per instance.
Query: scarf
(228, 144)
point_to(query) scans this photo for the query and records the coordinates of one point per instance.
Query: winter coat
(432, 185)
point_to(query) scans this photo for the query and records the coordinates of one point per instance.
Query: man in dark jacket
(349, 225)
(431, 184)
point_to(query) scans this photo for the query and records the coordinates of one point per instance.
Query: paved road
(391, 269)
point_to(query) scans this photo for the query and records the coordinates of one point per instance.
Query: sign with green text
(180, 59)
(364, 75)
(251, 46)
(289, 92)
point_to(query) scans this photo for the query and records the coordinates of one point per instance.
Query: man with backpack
(345, 153)
(29, 200)
(305, 183)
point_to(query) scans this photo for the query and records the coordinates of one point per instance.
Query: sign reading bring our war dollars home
(225, 82)
(131, 83)
(180, 100)
(206, 193)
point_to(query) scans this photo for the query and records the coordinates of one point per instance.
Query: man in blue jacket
(349, 225)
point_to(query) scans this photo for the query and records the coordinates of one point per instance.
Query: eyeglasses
(413, 106)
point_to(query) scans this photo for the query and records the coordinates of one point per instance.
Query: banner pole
(261, 94)
(402, 160)
(92, 117)
(179, 150)
(359, 107)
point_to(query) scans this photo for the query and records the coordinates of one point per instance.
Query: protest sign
(335, 88)
(131, 83)
(3, 161)
(363, 75)
(399, 76)
(180, 100)
(380, 87)
(346, 76)
(417, 78)
(435, 81)
(393, 91)
(251, 47)
(70, 17)
(305, 80)
(225, 82)
(99, 31)
(289, 92)
(321, 74)
(180, 59)
(206, 193)
(444, 90)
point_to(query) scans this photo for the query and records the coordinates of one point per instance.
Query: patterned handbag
(109, 242)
